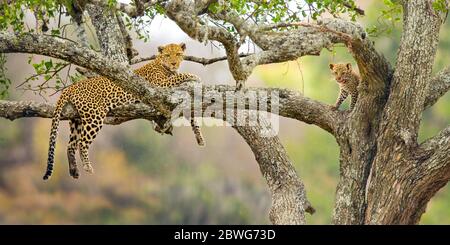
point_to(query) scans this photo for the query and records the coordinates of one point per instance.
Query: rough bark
(109, 34)
(289, 201)
(13, 110)
(395, 194)
(439, 85)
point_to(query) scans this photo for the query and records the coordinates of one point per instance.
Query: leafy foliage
(12, 14)
(275, 11)
(388, 19)
(440, 5)
(50, 72)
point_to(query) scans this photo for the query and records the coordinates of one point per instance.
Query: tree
(386, 175)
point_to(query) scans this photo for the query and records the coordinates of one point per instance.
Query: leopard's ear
(331, 66)
(160, 49)
(349, 66)
(183, 46)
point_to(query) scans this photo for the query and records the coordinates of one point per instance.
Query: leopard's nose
(174, 63)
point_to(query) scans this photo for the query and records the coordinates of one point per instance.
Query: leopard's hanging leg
(89, 129)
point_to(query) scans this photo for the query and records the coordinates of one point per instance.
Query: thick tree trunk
(383, 180)
(395, 194)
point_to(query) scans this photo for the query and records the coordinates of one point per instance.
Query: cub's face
(339, 70)
(171, 55)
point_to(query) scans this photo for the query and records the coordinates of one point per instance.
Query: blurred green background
(144, 178)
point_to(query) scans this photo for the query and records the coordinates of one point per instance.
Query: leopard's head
(339, 70)
(171, 55)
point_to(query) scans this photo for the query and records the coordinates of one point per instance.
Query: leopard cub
(348, 81)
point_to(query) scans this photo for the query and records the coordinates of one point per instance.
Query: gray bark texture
(386, 175)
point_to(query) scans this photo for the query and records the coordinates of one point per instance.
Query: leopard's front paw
(194, 78)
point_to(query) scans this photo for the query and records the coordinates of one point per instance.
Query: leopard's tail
(53, 133)
(197, 133)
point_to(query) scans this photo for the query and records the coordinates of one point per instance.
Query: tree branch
(200, 60)
(290, 104)
(433, 164)
(13, 110)
(441, 139)
(356, 9)
(439, 85)
(289, 201)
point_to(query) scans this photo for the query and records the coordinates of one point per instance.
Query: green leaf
(55, 32)
(48, 64)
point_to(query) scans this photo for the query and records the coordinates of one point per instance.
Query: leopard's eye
(167, 55)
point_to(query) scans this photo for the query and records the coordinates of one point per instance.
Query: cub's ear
(331, 66)
(349, 66)
(183, 46)
(160, 49)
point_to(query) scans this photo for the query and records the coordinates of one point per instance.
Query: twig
(356, 9)
(203, 61)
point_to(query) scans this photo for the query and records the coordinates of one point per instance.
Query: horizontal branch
(200, 60)
(282, 102)
(13, 110)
